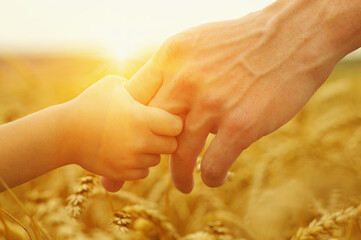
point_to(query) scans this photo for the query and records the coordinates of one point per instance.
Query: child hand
(112, 135)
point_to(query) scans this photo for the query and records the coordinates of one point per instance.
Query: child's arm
(30, 146)
(104, 130)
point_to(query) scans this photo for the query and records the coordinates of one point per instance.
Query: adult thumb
(145, 83)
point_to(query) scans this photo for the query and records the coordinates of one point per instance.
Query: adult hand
(240, 79)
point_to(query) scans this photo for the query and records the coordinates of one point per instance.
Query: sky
(114, 26)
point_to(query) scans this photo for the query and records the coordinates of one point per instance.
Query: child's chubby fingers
(160, 145)
(147, 160)
(142, 160)
(110, 185)
(162, 122)
(128, 175)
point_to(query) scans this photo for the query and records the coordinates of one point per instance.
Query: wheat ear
(77, 200)
(329, 224)
(123, 220)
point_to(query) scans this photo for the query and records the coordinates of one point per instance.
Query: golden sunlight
(120, 27)
(84, 109)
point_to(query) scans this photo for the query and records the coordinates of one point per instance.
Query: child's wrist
(64, 154)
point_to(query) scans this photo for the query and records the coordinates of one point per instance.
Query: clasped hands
(239, 79)
(225, 78)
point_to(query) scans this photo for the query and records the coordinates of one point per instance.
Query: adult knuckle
(174, 47)
(187, 81)
(168, 52)
(196, 122)
(211, 103)
(236, 124)
(232, 129)
(239, 139)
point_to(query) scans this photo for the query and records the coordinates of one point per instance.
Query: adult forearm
(338, 20)
(343, 24)
(30, 146)
(317, 34)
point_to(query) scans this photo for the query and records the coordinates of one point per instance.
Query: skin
(244, 78)
(104, 130)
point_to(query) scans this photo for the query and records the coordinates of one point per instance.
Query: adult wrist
(301, 35)
(334, 26)
(343, 25)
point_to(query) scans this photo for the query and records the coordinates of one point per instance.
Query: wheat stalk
(329, 224)
(16, 221)
(38, 229)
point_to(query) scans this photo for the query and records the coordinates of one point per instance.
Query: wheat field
(302, 182)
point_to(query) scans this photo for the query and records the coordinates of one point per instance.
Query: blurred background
(52, 50)
(116, 28)
(107, 28)
(86, 40)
